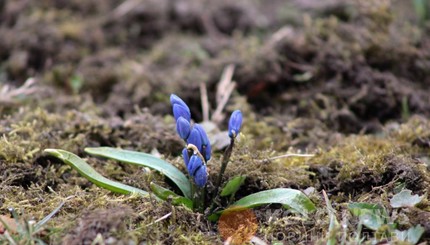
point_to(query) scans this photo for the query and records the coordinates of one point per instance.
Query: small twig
(224, 89)
(278, 36)
(258, 241)
(228, 240)
(125, 7)
(287, 155)
(39, 224)
(205, 101)
(226, 76)
(217, 115)
(160, 219)
(7, 94)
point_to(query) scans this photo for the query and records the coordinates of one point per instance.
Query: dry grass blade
(224, 90)
(8, 94)
(125, 7)
(160, 219)
(205, 101)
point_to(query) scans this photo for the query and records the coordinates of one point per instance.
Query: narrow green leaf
(92, 175)
(233, 185)
(146, 160)
(334, 224)
(166, 194)
(290, 198)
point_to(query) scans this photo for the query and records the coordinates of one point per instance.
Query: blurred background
(350, 64)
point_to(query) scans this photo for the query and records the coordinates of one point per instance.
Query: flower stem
(225, 160)
(199, 198)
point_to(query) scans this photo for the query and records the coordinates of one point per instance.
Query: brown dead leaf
(10, 222)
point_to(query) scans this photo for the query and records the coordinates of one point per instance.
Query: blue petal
(205, 141)
(174, 99)
(234, 124)
(202, 132)
(183, 127)
(201, 176)
(207, 153)
(195, 138)
(185, 156)
(194, 164)
(181, 111)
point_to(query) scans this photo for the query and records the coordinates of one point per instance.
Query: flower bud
(207, 152)
(195, 138)
(201, 176)
(234, 124)
(205, 142)
(183, 128)
(194, 164)
(185, 156)
(174, 99)
(181, 111)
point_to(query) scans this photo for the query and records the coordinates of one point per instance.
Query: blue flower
(181, 111)
(207, 153)
(205, 150)
(183, 127)
(185, 156)
(194, 164)
(195, 138)
(234, 124)
(175, 100)
(201, 176)
(180, 108)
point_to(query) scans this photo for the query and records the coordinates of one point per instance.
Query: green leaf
(405, 199)
(166, 194)
(359, 208)
(145, 160)
(290, 198)
(415, 233)
(92, 175)
(214, 217)
(334, 224)
(233, 185)
(412, 235)
(373, 216)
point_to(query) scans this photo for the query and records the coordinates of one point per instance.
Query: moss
(358, 154)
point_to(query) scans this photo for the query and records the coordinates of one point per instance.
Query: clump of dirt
(359, 163)
(350, 75)
(101, 224)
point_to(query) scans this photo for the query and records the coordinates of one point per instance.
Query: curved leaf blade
(289, 198)
(233, 185)
(91, 174)
(166, 194)
(146, 160)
